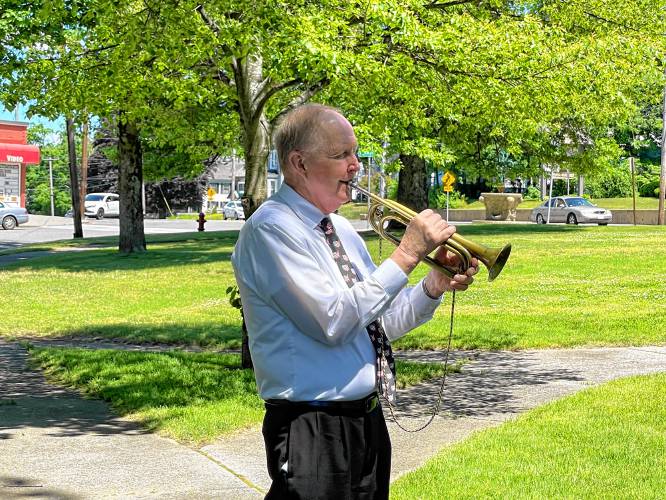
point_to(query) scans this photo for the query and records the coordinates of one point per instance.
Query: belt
(365, 405)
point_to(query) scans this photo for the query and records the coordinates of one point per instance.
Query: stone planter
(501, 206)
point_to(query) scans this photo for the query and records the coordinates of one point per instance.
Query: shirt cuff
(422, 299)
(390, 277)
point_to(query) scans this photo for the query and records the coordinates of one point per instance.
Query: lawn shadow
(213, 334)
(27, 400)
(493, 383)
(162, 251)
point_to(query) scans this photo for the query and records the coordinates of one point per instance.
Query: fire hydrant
(202, 221)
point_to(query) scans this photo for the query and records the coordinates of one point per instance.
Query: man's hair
(299, 129)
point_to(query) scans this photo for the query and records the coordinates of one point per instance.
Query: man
(319, 313)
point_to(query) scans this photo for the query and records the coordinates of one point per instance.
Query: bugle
(381, 212)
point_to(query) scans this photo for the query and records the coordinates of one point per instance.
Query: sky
(9, 115)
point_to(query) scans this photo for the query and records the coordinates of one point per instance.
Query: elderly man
(320, 315)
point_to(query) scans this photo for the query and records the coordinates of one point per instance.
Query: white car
(233, 210)
(101, 205)
(572, 210)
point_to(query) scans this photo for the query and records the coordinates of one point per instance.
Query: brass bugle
(381, 212)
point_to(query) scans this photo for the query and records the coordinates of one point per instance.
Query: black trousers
(327, 452)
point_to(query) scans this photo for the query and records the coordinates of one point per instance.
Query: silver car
(12, 215)
(233, 210)
(572, 210)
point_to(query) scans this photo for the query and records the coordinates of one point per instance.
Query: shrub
(532, 193)
(614, 183)
(456, 200)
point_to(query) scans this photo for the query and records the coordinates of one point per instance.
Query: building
(227, 180)
(15, 155)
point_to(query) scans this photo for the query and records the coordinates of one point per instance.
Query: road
(42, 229)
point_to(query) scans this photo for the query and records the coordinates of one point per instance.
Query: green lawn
(610, 203)
(191, 397)
(563, 286)
(605, 442)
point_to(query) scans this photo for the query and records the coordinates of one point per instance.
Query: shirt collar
(306, 211)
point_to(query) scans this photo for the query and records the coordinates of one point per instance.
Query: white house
(227, 180)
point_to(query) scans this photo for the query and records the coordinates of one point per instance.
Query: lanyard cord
(441, 386)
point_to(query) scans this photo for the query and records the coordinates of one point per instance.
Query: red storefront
(15, 155)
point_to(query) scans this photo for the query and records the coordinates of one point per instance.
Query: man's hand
(424, 233)
(437, 283)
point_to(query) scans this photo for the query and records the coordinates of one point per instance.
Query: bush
(615, 183)
(532, 193)
(648, 185)
(456, 200)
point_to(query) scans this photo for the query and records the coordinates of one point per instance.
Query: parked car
(101, 205)
(12, 215)
(233, 210)
(572, 210)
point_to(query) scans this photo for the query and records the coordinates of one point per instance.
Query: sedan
(233, 210)
(572, 210)
(12, 215)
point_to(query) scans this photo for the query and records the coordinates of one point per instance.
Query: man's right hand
(425, 232)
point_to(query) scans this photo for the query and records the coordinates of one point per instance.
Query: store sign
(14, 159)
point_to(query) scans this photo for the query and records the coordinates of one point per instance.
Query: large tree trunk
(413, 183)
(74, 179)
(132, 237)
(256, 142)
(248, 75)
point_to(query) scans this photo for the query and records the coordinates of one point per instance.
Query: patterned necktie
(385, 363)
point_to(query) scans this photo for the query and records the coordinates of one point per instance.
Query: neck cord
(437, 406)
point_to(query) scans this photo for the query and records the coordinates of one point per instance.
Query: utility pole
(662, 177)
(232, 194)
(632, 165)
(84, 165)
(50, 160)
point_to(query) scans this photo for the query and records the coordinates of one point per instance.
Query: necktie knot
(326, 225)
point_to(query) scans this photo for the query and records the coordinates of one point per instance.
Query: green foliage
(532, 193)
(38, 193)
(438, 199)
(612, 183)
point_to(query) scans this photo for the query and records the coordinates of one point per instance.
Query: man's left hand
(437, 283)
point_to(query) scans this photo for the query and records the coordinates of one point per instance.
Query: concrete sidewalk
(54, 444)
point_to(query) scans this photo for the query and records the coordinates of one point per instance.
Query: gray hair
(298, 129)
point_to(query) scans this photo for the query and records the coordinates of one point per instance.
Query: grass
(563, 286)
(191, 397)
(605, 442)
(208, 216)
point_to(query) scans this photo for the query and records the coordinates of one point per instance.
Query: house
(15, 156)
(227, 180)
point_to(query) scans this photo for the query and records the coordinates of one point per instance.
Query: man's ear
(295, 159)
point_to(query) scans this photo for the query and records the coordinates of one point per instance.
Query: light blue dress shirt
(306, 327)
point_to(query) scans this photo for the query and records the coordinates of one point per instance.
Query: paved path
(53, 444)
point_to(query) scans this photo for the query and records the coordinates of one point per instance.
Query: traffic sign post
(448, 179)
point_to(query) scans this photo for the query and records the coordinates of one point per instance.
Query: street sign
(448, 188)
(365, 154)
(448, 179)
(211, 192)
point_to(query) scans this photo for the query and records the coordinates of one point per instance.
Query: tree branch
(302, 98)
(442, 6)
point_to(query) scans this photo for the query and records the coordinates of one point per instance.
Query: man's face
(329, 163)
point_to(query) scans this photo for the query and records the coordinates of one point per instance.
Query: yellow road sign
(448, 188)
(448, 179)
(211, 192)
